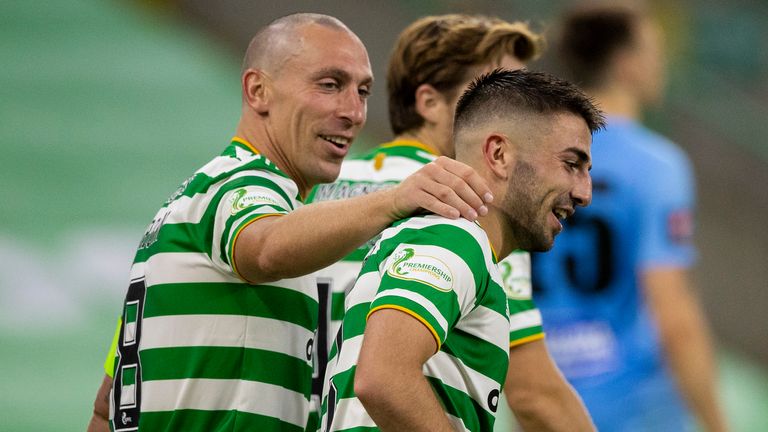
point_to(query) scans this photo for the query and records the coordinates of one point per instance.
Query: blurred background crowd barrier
(106, 106)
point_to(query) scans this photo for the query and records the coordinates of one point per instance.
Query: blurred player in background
(433, 61)
(424, 342)
(621, 317)
(219, 320)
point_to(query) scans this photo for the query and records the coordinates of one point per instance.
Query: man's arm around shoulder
(319, 234)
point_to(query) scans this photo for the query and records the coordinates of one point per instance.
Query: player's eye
(329, 84)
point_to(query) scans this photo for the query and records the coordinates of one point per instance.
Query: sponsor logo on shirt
(421, 268)
(243, 198)
(180, 191)
(348, 189)
(153, 230)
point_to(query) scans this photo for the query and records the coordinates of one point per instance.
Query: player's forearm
(687, 344)
(692, 364)
(400, 401)
(310, 238)
(553, 410)
(689, 352)
(539, 395)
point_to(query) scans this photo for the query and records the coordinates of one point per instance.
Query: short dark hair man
(424, 344)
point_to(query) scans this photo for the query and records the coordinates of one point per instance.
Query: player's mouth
(340, 143)
(559, 215)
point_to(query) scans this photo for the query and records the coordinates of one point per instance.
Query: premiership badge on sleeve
(243, 198)
(407, 265)
(516, 275)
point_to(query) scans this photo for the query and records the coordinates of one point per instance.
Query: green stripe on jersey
(522, 334)
(458, 404)
(283, 304)
(226, 363)
(199, 420)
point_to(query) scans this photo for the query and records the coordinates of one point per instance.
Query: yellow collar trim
(245, 142)
(411, 143)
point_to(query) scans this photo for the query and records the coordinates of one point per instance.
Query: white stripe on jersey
(226, 331)
(396, 169)
(365, 290)
(181, 267)
(457, 423)
(422, 301)
(351, 413)
(342, 275)
(473, 229)
(218, 394)
(349, 354)
(480, 316)
(452, 371)
(462, 274)
(525, 319)
(137, 271)
(190, 267)
(187, 209)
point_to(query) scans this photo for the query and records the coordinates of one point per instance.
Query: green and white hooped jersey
(384, 167)
(200, 349)
(443, 273)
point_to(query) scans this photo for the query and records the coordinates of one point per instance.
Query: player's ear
(498, 154)
(430, 103)
(256, 91)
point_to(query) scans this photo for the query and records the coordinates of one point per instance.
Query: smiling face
(549, 179)
(317, 102)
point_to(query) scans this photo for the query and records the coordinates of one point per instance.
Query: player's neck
(499, 234)
(617, 101)
(259, 136)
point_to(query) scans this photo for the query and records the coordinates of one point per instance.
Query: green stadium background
(106, 106)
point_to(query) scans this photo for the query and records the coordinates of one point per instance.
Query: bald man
(218, 323)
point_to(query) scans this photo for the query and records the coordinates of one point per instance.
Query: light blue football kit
(598, 326)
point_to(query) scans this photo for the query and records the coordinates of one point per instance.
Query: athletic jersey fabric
(383, 167)
(599, 330)
(199, 348)
(443, 273)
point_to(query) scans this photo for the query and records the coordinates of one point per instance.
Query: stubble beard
(521, 208)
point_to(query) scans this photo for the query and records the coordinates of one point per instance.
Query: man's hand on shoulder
(444, 186)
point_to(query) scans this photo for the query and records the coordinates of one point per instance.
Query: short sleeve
(431, 283)
(241, 205)
(667, 214)
(524, 317)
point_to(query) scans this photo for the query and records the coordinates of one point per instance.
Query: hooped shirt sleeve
(667, 213)
(433, 284)
(244, 201)
(524, 318)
